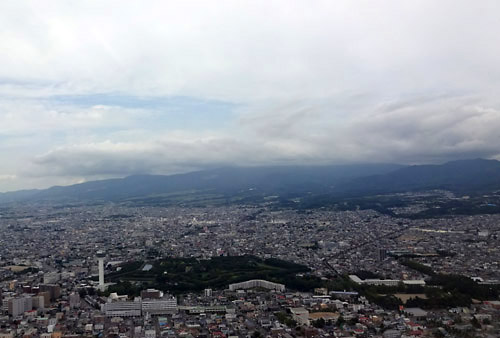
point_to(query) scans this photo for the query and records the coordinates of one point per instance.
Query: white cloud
(238, 50)
(18, 117)
(415, 132)
(321, 81)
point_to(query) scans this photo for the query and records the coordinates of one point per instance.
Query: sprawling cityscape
(366, 274)
(249, 169)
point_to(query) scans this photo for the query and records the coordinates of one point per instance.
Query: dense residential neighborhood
(50, 286)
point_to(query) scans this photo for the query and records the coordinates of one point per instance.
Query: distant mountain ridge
(225, 181)
(463, 176)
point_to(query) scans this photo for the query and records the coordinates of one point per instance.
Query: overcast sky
(98, 89)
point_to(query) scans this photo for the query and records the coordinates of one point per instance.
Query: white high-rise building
(100, 258)
(17, 306)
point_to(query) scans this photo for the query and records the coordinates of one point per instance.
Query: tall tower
(100, 258)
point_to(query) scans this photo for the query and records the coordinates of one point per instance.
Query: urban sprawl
(371, 274)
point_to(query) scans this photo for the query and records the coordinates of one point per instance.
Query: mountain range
(240, 183)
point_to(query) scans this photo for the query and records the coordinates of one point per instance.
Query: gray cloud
(424, 131)
(308, 82)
